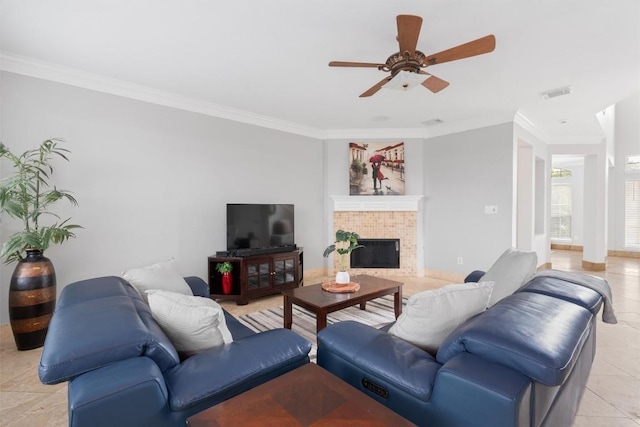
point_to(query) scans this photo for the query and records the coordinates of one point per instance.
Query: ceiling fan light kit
(405, 80)
(406, 65)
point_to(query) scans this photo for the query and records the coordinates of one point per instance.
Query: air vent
(432, 122)
(553, 93)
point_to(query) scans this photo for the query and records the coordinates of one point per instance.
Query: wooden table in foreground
(321, 302)
(306, 396)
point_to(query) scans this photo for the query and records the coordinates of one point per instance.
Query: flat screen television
(260, 226)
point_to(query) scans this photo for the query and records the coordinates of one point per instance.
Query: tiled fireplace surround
(374, 217)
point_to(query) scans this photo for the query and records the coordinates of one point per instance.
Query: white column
(595, 210)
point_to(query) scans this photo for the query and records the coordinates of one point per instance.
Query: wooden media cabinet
(257, 276)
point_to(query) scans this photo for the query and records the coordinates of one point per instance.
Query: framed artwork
(376, 169)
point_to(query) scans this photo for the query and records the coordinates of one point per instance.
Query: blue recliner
(123, 371)
(523, 362)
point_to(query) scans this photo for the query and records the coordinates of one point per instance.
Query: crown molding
(48, 71)
(526, 124)
(422, 132)
(376, 133)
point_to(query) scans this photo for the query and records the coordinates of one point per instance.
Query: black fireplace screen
(377, 253)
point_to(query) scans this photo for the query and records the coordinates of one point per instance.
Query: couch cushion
(192, 323)
(163, 275)
(572, 292)
(536, 334)
(510, 271)
(430, 316)
(97, 332)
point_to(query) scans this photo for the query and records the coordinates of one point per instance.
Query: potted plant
(225, 268)
(346, 241)
(27, 196)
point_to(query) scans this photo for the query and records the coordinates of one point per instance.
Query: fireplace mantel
(376, 203)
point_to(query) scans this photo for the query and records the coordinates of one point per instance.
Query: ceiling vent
(553, 93)
(432, 122)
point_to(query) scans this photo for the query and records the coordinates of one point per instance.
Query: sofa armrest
(474, 276)
(470, 390)
(199, 287)
(127, 393)
(217, 374)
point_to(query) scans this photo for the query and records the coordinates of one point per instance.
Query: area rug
(379, 312)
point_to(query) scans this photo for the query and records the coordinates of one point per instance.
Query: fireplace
(397, 218)
(377, 253)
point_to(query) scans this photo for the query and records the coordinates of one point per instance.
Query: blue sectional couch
(523, 362)
(123, 370)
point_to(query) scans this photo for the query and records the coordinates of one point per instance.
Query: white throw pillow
(430, 316)
(192, 323)
(163, 275)
(510, 271)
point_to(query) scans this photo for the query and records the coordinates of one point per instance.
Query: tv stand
(257, 275)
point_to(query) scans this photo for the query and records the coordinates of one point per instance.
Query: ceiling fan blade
(375, 87)
(354, 64)
(433, 83)
(480, 46)
(408, 32)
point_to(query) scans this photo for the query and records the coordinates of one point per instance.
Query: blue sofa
(123, 370)
(523, 362)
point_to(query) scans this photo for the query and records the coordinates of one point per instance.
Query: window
(560, 173)
(632, 203)
(632, 164)
(561, 211)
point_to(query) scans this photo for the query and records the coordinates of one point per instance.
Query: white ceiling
(267, 60)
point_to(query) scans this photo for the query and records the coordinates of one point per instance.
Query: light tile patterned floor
(612, 397)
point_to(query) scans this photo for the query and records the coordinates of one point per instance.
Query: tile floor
(612, 397)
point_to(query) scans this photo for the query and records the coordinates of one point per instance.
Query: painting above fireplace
(376, 169)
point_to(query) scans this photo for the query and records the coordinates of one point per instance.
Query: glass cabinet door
(258, 274)
(284, 271)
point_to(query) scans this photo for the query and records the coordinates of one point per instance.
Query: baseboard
(577, 248)
(594, 266)
(545, 266)
(563, 247)
(624, 254)
(445, 275)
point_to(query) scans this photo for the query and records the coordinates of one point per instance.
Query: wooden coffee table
(321, 302)
(306, 396)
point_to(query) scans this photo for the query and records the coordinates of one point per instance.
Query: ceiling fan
(410, 60)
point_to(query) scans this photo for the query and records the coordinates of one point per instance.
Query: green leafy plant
(346, 241)
(27, 195)
(224, 267)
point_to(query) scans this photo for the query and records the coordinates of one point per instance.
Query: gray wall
(152, 182)
(463, 172)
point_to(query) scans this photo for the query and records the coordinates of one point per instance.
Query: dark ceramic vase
(32, 298)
